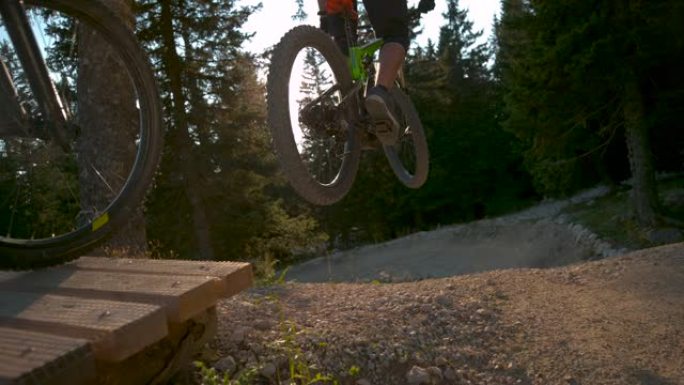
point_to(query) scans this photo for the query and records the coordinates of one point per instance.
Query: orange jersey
(340, 6)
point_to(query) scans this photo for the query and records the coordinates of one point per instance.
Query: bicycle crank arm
(324, 95)
(353, 92)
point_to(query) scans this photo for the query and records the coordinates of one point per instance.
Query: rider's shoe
(380, 107)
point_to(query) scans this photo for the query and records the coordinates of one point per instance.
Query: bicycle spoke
(54, 184)
(316, 104)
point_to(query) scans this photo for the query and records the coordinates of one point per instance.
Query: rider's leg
(334, 24)
(390, 21)
(392, 57)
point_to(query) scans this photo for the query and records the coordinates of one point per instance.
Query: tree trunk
(180, 137)
(644, 194)
(106, 143)
(198, 108)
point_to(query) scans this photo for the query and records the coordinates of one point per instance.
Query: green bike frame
(358, 55)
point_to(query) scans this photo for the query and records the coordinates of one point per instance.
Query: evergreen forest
(564, 96)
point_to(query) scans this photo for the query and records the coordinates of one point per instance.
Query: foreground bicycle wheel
(309, 116)
(408, 156)
(57, 201)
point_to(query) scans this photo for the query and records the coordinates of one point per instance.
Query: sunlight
(298, 95)
(274, 19)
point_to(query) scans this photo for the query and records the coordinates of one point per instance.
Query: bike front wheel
(57, 200)
(408, 156)
(311, 110)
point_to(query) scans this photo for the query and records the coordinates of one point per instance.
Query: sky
(274, 19)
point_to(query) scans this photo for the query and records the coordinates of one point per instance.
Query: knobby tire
(279, 122)
(410, 178)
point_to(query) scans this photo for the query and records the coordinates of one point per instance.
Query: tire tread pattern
(420, 147)
(279, 123)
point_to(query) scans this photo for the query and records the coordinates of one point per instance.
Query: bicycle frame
(29, 54)
(361, 56)
(358, 56)
(359, 59)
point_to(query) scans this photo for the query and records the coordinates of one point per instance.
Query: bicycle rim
(408, 157)
(55, 203)
(310, 119)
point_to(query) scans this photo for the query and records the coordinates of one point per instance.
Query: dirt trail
(438, 308)
(537, 237)
(618, 321)
(614, 321)
(459, 250)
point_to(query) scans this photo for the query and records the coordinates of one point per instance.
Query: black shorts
(390, 20)
(388, 17)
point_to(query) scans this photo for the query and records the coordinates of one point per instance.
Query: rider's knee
(404, 41)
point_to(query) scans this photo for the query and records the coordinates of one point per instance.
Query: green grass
(300, 370)
(611, 218)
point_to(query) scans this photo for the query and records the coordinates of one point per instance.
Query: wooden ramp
(60, 325)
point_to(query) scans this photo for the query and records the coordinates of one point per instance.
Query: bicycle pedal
(385, 132)
(383, 127)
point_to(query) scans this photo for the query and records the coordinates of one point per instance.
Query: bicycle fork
(23, 39)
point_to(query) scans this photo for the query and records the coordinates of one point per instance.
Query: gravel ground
(614, 321)
(570, 309)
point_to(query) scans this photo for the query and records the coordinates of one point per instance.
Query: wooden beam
(36, 358)
(182, 297)
(117, 330)
(233, 277)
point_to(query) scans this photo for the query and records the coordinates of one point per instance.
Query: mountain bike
(318, 121)
(68, 176)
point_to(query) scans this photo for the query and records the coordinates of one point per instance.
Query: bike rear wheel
(310, 116)
(408, 157)
(58, 201)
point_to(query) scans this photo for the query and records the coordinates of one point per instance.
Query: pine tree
(300, 15)
(218, 171)
(459, 106)
(184, 69)
(583, 81)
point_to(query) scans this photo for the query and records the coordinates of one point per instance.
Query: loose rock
(226, 364)
(435, 373)
(268, 370)
(417, 376)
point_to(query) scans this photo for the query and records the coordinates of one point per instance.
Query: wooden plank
(182, 297)
(233, 277)
(116, 330)
(36, 358)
